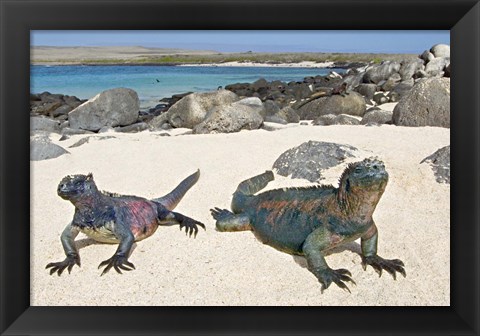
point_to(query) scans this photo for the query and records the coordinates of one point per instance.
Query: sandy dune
(413, 218)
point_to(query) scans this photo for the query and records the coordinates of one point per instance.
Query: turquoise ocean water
(154, 82)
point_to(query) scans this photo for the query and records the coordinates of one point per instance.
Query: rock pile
(421, 87)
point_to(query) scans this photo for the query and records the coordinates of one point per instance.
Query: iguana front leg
(120, 259)
(369, 255)
(316, 243)
(68, 242)
(229, 222)
(166, 217)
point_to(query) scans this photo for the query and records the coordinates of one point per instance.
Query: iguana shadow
(85, 242)
(350, 246)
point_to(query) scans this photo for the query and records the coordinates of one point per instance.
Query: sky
(359, 41)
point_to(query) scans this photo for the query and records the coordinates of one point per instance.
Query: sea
(154, 82)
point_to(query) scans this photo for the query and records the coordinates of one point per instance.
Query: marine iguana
(112, 218)
(311, 220)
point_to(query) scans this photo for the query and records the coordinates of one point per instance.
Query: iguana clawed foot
(59, 267)
(190, 226)
(221, 214)
(118, 261)
(339, 276)
(379, 264)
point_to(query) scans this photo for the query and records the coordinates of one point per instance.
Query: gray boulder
(191, 110)
(331, 119)
(288, 114)
(380, 98)
(367, 90)
(41, 148)
(271, 108)
(440, 50)
(115, 107)
(409, 68)
(44, 124)
(427, 56)
(437, 65)
(440, 162)
(381, 72)
(275, 119)
(427, 104)
(240, 115)
(310, 158)
(377, 116)
(325, 120)
(352, 104)
(134, 128)
(403, 88)
(62, 110)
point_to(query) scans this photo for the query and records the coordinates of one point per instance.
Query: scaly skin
(112, 218)
(309, 221)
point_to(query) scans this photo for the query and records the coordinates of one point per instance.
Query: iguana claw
(68, 263)
(338, 276)
(379, 264)
(118, 262)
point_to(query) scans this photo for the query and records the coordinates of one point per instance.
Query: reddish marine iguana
(309, 221)
(112, 218)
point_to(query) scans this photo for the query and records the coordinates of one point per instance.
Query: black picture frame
(18, 17)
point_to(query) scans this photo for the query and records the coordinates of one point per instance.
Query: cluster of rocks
(421, 87)
(310, 160)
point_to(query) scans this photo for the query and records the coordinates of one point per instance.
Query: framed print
(207, 281)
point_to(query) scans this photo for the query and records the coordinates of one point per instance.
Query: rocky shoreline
(418, 91)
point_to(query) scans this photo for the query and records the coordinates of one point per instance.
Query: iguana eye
(358, 170)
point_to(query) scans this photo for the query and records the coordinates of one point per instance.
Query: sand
(303, 64)
(413, 219)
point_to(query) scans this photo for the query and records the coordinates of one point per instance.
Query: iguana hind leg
(229, 222)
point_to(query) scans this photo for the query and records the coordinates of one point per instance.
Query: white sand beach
(413, 219)
(303, 64)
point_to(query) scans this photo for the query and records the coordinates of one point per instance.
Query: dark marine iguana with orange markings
(112, 218)
(309, 221)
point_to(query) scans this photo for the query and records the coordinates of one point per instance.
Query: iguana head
(365, 180)
(73, 187)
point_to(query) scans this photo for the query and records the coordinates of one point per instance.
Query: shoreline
(303, 64)
(161, 56)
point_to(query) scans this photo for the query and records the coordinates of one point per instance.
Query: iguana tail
(171, 199)
(249, 188)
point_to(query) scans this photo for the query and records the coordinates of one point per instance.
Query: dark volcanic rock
(310, 158)
(440, 162)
